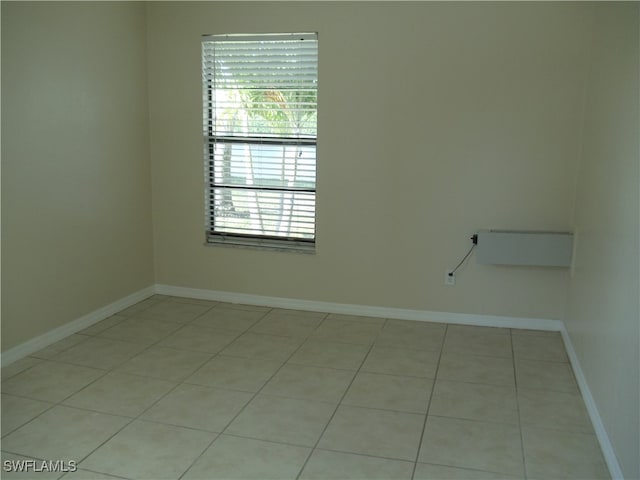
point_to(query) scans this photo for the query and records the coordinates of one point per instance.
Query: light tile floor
(175, 388)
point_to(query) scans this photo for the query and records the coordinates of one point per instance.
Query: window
(260, 136)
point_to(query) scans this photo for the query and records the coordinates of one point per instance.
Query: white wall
(435, 120)
(603, 318)
(76, 196)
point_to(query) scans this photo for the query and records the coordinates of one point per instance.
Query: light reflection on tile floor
(176, 388)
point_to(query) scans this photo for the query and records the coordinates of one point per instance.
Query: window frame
(211, 138)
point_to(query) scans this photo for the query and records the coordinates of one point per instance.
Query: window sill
(262, 244)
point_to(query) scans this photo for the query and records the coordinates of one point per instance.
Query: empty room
(320, 240)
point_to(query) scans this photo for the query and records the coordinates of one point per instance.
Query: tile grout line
(80, 342)
(255, 394)
(138, 417)
(426, 413)
(344, 394)
(515, 382)
(40, 360)
(107, 372)
(183, 382)
(51, 407)
(58, 403)
(217, 435)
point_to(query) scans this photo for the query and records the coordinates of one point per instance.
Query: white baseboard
(364, 310)
(601, 433)
(74, 326)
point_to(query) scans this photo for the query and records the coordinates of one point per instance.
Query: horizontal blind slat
(259, 125)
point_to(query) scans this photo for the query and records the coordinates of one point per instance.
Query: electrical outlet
(449, 278)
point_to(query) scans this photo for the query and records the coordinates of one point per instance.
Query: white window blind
(260, 135)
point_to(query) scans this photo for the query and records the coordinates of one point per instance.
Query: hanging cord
(474, 239)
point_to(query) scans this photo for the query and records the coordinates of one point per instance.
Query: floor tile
(539, 333)
(81, 474)
(233, 319)
(19, 366)
(472, 444)
(268, 347)
(536, 347)
(19, 467)
(16, 411)
(194, 301)
(325, 465)
(329, 354)
(356, 318)
(379, 433)
(243, 306)
(279, 419)
(402, 361)
(102, 325)
(199, 339)
(556, 410)
(139, 330)
(557, 454)
(165, 363)
(120, 394)
(389, 392)
(260, 388)
(422, 339)
(474, 401)
(51, 381)
(286, 325)
(247, 374)
(425, 471)
(307, 382)
(412, 326)
(173, 312)
(344, 331)
(227, 458)
(199, 407)
(140, 306)
(149, 450)
(477, 369)
(534, 374)
(57, 347)
(474, 342)
(103, 353)
(474, 330)
(63, 433)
